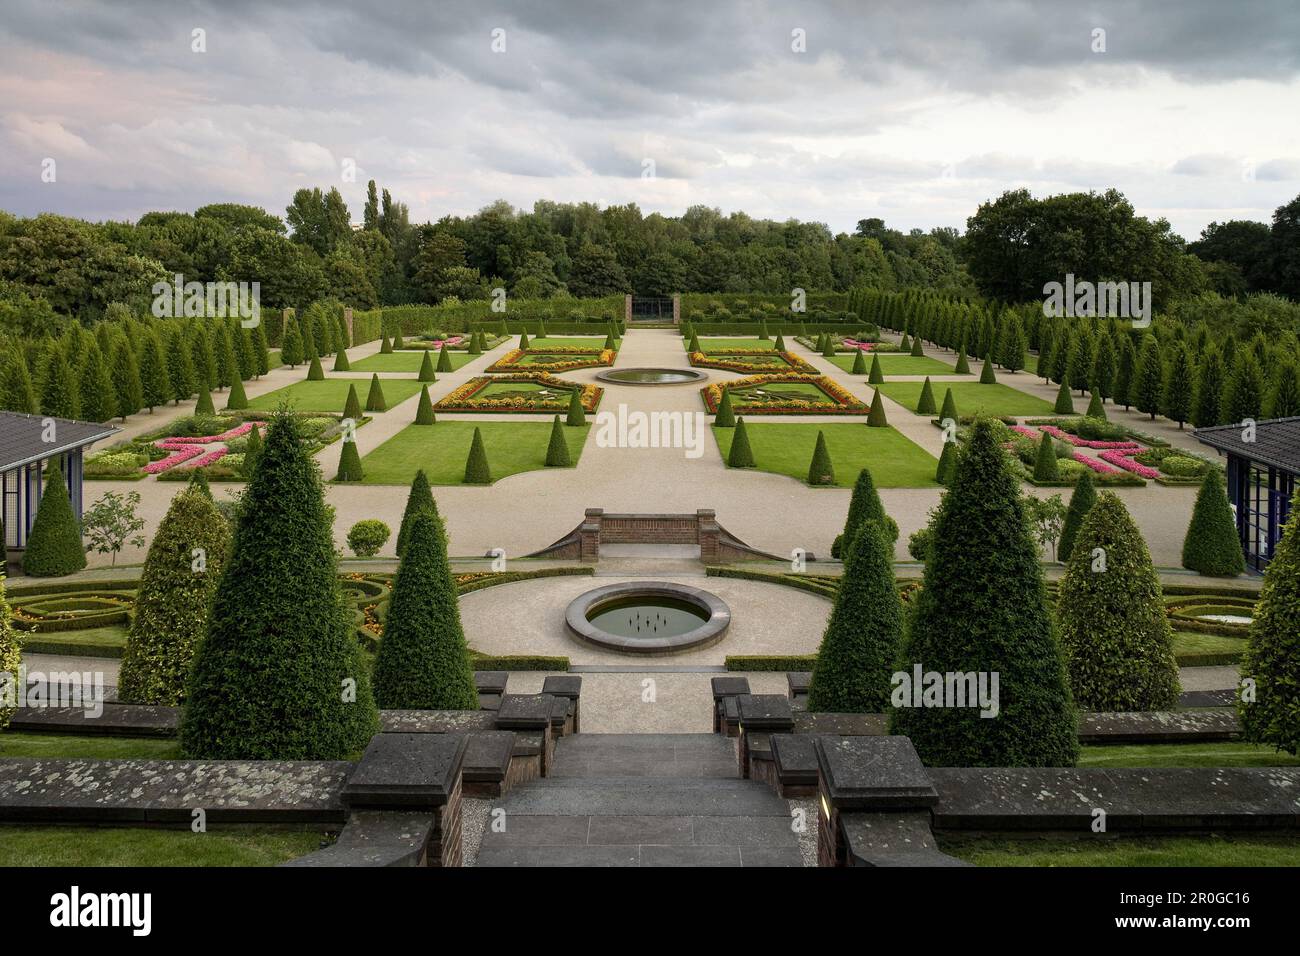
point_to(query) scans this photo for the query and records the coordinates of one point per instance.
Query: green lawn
(441, 450)
(91, 747)
(141, 846)
(1190, 642)
(1100, 850)
(899, 364)
(273, 359)
(407, 361)
(111, 639)
(331, 394)
(786, 449)
(730, 345)
(1230, 754)
(971, 398)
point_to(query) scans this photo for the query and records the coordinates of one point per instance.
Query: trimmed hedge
(418, 499)
(1081, 502)
(1212, 546)
(770, 662)
(54, 546)
(10, 656)
(477, 470)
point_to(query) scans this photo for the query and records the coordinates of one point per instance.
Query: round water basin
(648, 617)
(651, 376)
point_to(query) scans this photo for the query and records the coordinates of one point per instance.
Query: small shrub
(367, 537)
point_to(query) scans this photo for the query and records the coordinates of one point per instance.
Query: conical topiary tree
(541, 328)
(610, 341)
(779, 344)
(1045, 468)
(963, 363)
(762, 331)
(947, 462)
(1212, 545)
(349, 461)
(477, 471)
(341, 363)
(54, 545)
(204, 405)
(424, 410)
(1064, 400)
(864, 634)
(251, 452)
(576, 415)
(864, 505)
(877, 375)
(917, 351)
(1114, 631)
(291, 347)
(983, 609)
(987, 376)
(375, 401)
(1081, 502)
(418, 499)
(925, 404)
(725, 417)
(352, 407)
(397, 338)
(876, 417)
(236, 400)
(314, 371)
(385, 346)
(423, 661)
(694, 344)
(1095, 408)
(10, 654)
(905, 343)
(740, 455)
(426, 369)
(280, 675)
(557, 452)
(859, 363)
(186, 559)
(948, 411)
(1268, 705)
(828, 350)
(444, 358)
(476, 344)
(523, 340)
(820, 469)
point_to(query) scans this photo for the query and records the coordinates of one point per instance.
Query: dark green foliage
(1081, 502)
(251, 451)
(426, 369)
(1272, 658)
(905, 343)
(983, 607)
(352, 407)
(367, 537)
(236, 399)
(385, 346)
(947, 462)
(475, 344)
(424, 410)
(762, 330)
(397, 338)
(1212, 545)
(1125, 373)
(576, 415)
(17, 392)
(523, 340)
(280, 674)
(1149, 378)
(740, 455)
(98, 400)
(314, 372)
(1114, 631)
(963, 363)
(126, 379)
(876, 376)
(779, 344)
(925, 404)
(610, 341)
(987, 375)
(59, 393)
(1284, 395)
(1179, 385)
(725, 417)
(477, 471)
(349, 461)
(557, 452)
(864, 505)
(916, 347)
(154, 380)
(292, 352)
(341, 363)
(1095, 408)
(948, 412)
(1102, 376)
(423, 661)
(1245, 393)
(1064, 401)
(204, 405)
(262, 353)
(860, 364)
(444, 359)
(418, 499)
(876, 417)
(694, 344)
(171, 606)
(375, 401)
(1045, 464)
(54, 546)
(864, 634)
(820, 470)
(828, 350)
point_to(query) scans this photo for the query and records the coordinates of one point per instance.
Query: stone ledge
(892, 839)
(121, 720)
(1171, 726)
(406, 770)
(375, 838)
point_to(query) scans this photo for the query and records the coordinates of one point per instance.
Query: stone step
(635, 782)
(645, 743)
(647, 796)
(605, 856)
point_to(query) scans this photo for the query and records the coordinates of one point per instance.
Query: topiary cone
(523, 340)
(905, 343)
(779, 344)
(352, 407)
(725, 417)
(947, 462)
(820, 470)
(1212, 545)
(877, 376)
(987, 376)
(349, 462)
(341, 363)
(1045, 463)
(1081, 502)
(444, 359)
(963, 363)
(1064, 401)
(828, 351)
(1095, 408)
(314, 371)
(385, 346)
(859, 363)
(916, 347)
(741, 455)
(576, 414)
(418, 499)
(54, 545)
(949, 408)
(557, 452)
(204, 405)
(375, 401)
(236, 399)
(876, 417)
(925, 404)
(426, 369)
(424, 410)
(476, 343)
(477, 471)
(694, 345)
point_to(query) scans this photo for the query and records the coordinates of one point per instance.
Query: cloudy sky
(908, 110)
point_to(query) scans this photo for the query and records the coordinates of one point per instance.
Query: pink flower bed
(215, 455)
(1100, 467)
(1078, 442)
(860, 346)
(183, 449)
(1124, 459)
(451, 340)
(182, 453)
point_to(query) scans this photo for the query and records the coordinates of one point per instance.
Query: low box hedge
(517, 662)
(771, 662)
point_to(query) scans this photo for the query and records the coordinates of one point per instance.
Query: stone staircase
(643, 800)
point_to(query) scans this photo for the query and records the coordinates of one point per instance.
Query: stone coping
(406, 771)
(893, 839)
(374, 838)
(872, 773)
(689, 376)
(708, 633)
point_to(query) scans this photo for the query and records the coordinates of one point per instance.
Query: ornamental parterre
(523, 393)
(788, 394)
(748, 360)
(570, 358)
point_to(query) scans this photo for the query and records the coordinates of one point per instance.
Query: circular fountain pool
(651, 376)
(648, 617)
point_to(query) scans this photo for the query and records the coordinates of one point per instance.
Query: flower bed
(735, 361)
(187, 448)
(1078, 442)
(467, 397)
(582, 358)
(1123, 458)
(1104, 470)
(838, 401)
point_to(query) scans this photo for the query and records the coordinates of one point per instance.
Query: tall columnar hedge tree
(280, 673)
(17, 391)
(477, 470)
(1117, 639)
(1064, 400)
(741, 455)
(1179, 385)
(59, 393)
(185, 562)
(925, 404)
(54, 545)
(820, 469)
(876, 417)
(180, 367)
(426, 369)
(1081, 502)
(126, 379)
(1045, 468)
(349, 461)
(292, 352)
(865, 632)
(983, 609)
(375, 401)
(557, 451)
(1149, 381)
(864, 505)
(1245, 393)
(423, 660)
(1269, 705)
(153, 372)
(10, 654)
(1125, 373)
(1283, 400)
(424, 409)
(418, 499)
(725, 416)
(1212, 545)
(98, 400)
(576, 414)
